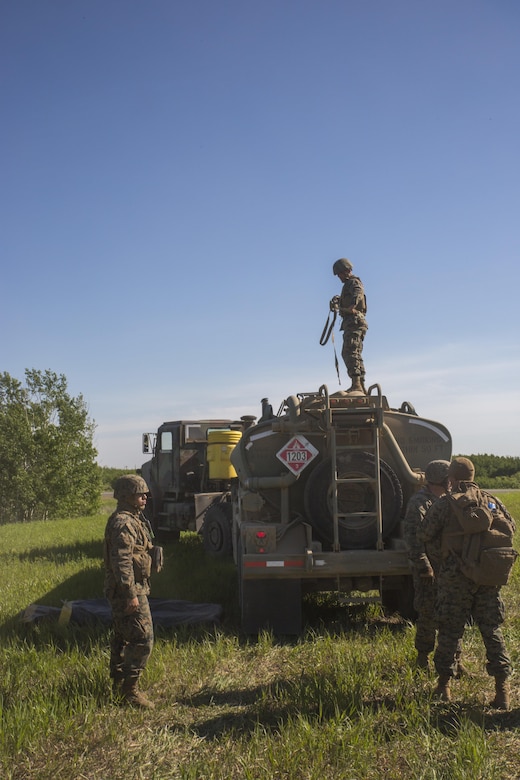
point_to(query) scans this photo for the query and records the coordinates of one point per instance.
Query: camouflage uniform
(127, 559)
(459, 598)
(425, 588)
(354, 326)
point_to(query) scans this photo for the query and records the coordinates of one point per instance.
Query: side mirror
(149, 442)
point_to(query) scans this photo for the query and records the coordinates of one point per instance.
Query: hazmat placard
(297, 454)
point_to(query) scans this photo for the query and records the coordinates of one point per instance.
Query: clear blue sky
(178, 177)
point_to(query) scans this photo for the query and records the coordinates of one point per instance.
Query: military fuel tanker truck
(309, 499)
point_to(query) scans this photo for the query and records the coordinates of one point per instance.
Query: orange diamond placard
(297, 454)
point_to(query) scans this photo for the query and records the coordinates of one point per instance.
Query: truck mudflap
(315, 565)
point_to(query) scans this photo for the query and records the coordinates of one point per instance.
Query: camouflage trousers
(425, 592)
(353, 337)
(132, 639)
(426, 625)
(458, 601)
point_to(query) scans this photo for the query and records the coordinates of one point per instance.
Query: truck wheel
(355, 533)
(216, 531)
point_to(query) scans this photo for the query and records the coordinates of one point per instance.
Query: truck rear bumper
(312, 565)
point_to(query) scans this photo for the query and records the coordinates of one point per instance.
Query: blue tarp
(165, 612)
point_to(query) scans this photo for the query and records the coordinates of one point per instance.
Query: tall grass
(342, 702)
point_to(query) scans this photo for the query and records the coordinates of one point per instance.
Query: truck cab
(179, 474)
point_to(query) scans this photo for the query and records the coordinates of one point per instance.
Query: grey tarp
(165, 612)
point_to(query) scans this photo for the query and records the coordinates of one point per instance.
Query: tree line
(496, 471)
(109, 475)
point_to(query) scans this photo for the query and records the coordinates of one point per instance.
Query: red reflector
(261, 534)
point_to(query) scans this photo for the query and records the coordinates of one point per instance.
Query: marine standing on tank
(425, 564)
(128, 564)
(352, 307)
(460, 599)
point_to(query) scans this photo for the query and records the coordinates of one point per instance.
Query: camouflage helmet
(436, 472)
(461, 470)
(341, 265)
(129, 485)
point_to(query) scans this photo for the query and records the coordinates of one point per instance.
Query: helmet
(341, 265)
(461, 470)
(129, 485)
(436, 472)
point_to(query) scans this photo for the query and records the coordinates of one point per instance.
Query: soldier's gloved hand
(334, 303)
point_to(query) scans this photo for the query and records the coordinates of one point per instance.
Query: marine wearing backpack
(471, 532)
(481, 535)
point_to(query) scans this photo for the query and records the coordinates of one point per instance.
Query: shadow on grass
(272, 705)
(85, 584)
(65, 553)
(321, 698)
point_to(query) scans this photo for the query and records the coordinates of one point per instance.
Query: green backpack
(487, 555)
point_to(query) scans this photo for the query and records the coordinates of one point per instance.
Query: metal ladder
(348, 423)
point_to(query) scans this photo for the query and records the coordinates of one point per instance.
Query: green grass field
(343, 702)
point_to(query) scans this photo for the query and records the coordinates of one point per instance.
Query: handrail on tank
(379, 393)
(325, 393)
(378, 405)
(393, 446)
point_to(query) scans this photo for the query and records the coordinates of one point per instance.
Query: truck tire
(216, 531)
(354, 533)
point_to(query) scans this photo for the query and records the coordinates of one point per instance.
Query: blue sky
(178, 177)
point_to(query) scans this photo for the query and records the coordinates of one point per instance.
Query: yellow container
(220, 446)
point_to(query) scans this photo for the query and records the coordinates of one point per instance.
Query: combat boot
(133, 696)
(442, 690)
(357, 385)
(502, 693)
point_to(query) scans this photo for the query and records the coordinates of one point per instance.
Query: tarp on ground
(165, 612)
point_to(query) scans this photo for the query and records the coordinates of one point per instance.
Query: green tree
(48, 463)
